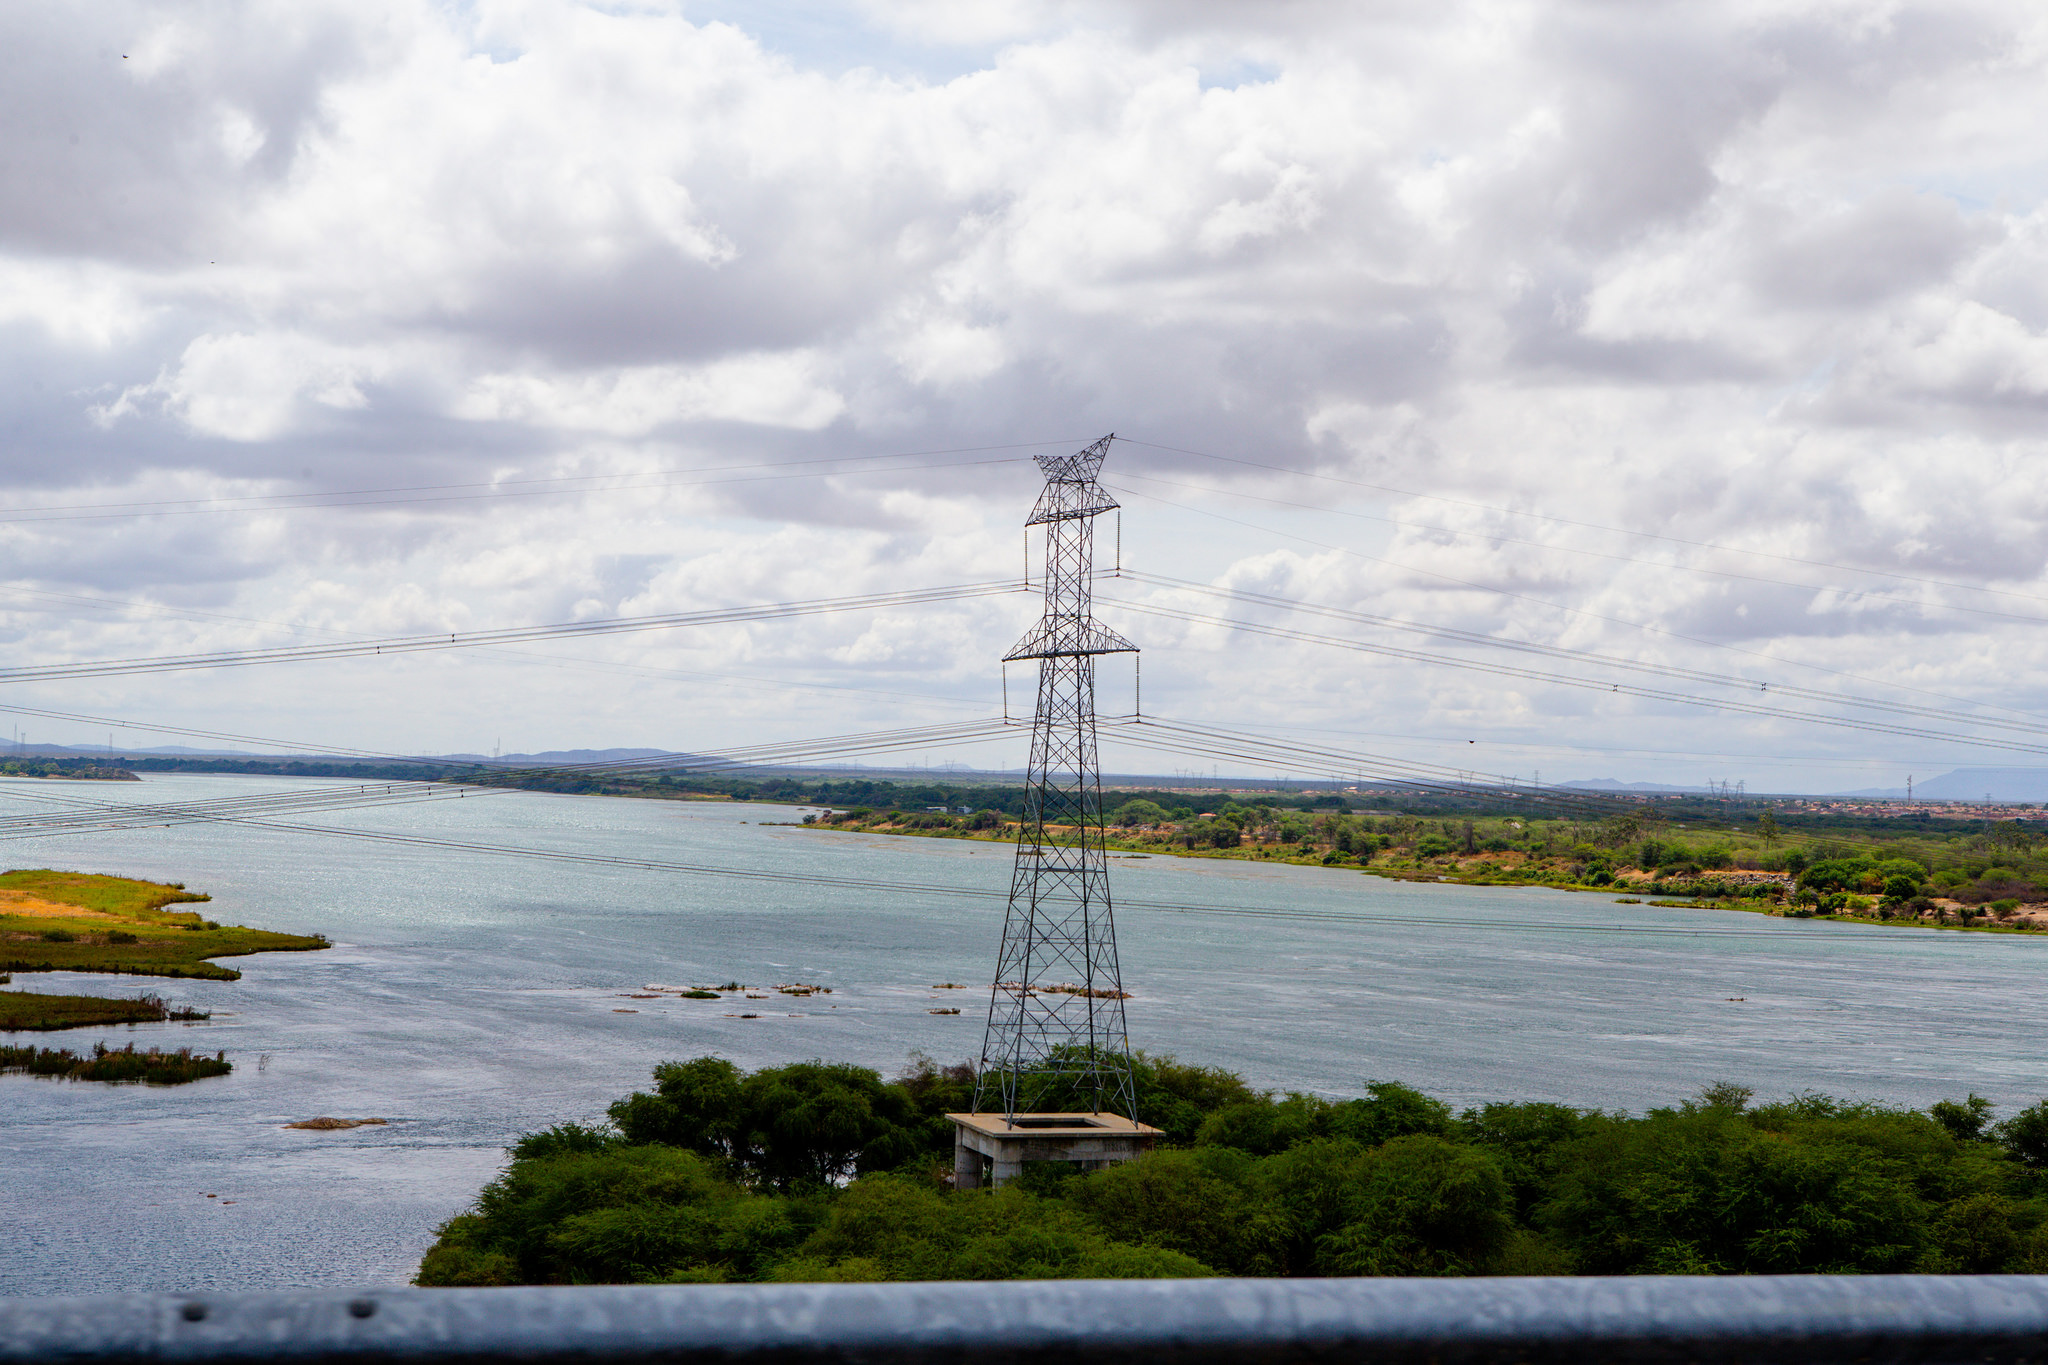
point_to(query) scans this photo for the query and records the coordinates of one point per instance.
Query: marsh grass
(115, 1065)
(142, 939)
(27, 1011)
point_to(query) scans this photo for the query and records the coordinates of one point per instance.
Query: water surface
(471, 997)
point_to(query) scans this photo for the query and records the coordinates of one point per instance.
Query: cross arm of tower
(1068, 639)
(1079, 467)
(1066, 501)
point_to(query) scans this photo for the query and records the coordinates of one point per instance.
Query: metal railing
(1878, 1319)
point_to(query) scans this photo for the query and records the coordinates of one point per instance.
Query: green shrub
(695, 1186)
(1424, 1206)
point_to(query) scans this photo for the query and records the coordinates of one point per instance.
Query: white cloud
(250, 388)
(768, 390)
(1762, 275)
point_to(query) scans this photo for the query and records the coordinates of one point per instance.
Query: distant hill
(1971, 784)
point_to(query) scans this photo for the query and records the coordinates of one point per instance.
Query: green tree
(1141, 812)
(1388, 1110)
(1264, 1126)
(810, 1122)
(2025, 1135)
(1965, 1120)
(615, 1216)
(695, 1105)
(1706, 1190)
(1200, 1203)
(1422, 1206)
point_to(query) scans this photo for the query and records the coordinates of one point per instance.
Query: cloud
(250, 388)
(1760, 276)
(769, 390)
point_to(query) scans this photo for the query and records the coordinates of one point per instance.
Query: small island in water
(83, 922)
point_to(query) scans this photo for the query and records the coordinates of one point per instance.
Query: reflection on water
(471, 997)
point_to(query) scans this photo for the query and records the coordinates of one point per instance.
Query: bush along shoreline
(827, 1172)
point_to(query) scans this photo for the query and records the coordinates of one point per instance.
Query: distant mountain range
(1971, 784)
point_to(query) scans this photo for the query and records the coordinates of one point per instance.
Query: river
(474, 996)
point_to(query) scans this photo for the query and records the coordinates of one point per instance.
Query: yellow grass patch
(35, 907)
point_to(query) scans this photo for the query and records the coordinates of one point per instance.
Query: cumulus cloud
(1762, 277)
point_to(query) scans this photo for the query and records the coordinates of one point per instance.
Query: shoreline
(1632, 890)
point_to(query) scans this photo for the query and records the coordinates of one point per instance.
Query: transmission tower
(1057, 1007)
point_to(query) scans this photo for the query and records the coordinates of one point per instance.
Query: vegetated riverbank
(117, 1065)
(1746, 853)
(28, 1011)
(707, 1178)
(1947, 886)
(74, 769)
(82, 922)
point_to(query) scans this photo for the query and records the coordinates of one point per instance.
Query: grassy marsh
(82, 922)
(116, 1065)
(28, 1011)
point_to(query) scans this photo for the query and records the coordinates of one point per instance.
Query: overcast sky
(1704, 334)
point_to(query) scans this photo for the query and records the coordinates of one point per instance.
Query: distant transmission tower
(1057, 1007)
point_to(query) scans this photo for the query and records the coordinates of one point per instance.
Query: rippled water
(471, 997)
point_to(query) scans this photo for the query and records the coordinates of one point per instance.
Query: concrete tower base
(1090, 1141)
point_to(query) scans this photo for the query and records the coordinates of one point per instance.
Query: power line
(470, 492)
(494, 777)
(1593, 525)
(411, 644)
(898, 887)
(1613, 688)
(1857, 594)
(1458, 636)
(1554, 606)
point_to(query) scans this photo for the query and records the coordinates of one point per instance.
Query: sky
(1708, 337)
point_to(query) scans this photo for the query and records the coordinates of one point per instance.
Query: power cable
(410, 644)
(493, 490)
(1589, 525)
(898, 887)
(1459, 636)
(495, 780)
(1554, 606)
(1615, 688)
(1857, 594)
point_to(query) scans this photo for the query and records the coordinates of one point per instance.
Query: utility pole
(1059, 933)
(1056, 1010)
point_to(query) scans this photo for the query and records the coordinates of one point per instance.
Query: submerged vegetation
(827, 1172)
(82, 922)
(155, 1067)
(28, 1011)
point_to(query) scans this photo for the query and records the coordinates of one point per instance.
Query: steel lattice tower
(1057, 1008)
